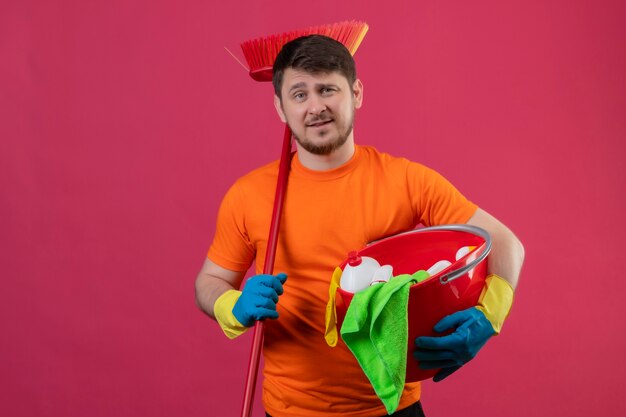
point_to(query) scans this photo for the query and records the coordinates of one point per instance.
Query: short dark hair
(314, 54)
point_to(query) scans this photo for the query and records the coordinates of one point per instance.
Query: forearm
(507, 257)
(212, 282)
(208, 290)
(507, 252)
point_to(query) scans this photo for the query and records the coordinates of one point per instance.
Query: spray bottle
(358, 272)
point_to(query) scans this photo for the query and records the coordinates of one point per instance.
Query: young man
(340, 197)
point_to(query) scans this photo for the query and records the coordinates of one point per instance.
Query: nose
(316, 105)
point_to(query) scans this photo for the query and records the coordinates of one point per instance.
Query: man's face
(319, 108)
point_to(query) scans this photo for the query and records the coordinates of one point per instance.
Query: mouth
(319, 123)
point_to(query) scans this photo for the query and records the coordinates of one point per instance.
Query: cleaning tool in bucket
(452, 289)
(260, 54)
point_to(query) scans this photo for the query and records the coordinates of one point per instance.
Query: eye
(326, 90)
(299, 96)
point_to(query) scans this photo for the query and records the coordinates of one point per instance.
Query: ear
(357, 90)
(279, 108)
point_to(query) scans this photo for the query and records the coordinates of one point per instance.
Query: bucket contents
(443, 264)
(382, 274)
(463, 251)
(438, 267)
(362, 271)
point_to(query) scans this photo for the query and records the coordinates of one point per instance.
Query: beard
(324, 149)
(329, 147)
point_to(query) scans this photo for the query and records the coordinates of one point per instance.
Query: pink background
(123, 123)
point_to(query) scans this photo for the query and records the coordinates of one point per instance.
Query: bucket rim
(450, 276)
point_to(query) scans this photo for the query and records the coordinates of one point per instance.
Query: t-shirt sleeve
(437, 200)
(231, 247)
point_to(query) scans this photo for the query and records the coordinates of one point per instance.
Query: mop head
(260, 53)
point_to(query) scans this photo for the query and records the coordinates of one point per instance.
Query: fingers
(445, 372)
(265, 313)
(271, 281)
(250, 309)
(266, 301)
(427, 365)
(264, 293)
(449, 342)
(435, 359)
(259, 298)
(433, 355)
(440, 352)
(450, 322)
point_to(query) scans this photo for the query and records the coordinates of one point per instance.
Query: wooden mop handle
(270, 255)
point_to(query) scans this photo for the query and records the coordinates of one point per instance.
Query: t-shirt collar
(331, 174)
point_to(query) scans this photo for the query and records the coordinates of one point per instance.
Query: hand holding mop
(260, 54)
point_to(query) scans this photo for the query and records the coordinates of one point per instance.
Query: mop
(260, 54)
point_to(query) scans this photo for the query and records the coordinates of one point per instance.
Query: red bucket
(453, 289)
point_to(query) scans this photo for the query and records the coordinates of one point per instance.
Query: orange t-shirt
(326, 215)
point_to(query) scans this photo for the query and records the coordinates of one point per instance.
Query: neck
(326, 162)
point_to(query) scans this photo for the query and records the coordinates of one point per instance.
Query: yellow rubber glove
(223, 310)
(495, 301)
(331, 314)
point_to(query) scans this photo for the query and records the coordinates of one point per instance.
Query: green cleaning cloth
(375, 329)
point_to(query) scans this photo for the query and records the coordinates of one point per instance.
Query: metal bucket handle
(477, 231)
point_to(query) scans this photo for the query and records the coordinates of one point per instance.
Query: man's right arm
(212, 282)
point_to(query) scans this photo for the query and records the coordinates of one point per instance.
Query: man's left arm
(475, 326)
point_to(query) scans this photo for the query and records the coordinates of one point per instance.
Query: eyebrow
(297, 85)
